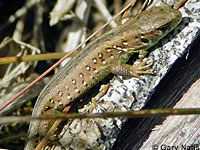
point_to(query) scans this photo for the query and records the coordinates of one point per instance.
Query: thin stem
(130, 114)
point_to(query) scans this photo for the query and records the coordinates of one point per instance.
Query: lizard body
(107, 54)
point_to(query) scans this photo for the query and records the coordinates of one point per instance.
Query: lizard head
(151, 25)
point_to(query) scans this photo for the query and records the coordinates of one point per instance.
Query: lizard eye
(144, 40)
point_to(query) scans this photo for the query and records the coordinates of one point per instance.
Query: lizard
(107, 54)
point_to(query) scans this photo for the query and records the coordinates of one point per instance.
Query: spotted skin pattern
(107, 54)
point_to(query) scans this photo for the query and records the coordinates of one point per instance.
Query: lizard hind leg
(45, 125)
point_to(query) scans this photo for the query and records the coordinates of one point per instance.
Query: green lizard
(107, 54)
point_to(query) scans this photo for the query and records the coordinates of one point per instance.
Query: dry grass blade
(37, 57)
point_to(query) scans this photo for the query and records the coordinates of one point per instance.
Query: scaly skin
(107, 54)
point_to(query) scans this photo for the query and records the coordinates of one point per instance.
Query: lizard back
(92, 63)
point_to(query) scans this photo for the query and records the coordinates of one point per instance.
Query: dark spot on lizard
(81, 74)
(87, 67)
(94, 60)
(74, 81)
(100, 55)
(76, 90)
(84, 83)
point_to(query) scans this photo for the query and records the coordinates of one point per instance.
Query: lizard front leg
(129, 70)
